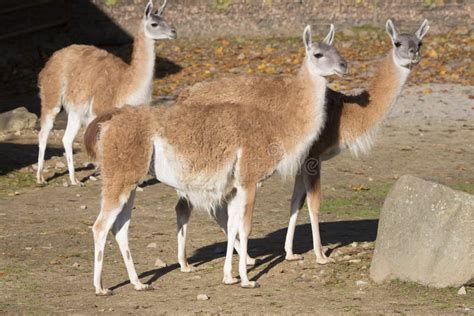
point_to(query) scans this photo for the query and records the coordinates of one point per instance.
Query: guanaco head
(155, 26)
(407, 47)
(322, 58)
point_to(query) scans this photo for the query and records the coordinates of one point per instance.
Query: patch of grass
(15, 180)
(362, 204)
(110, 2)
(221, 4)
(465, 187)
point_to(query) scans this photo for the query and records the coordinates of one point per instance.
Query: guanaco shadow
(269, 249)
(16, 156)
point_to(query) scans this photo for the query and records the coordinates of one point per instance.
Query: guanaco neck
(310, 90)
(138, 78)
(359, 123)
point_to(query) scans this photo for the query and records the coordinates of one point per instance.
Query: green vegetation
(465, 187)
(15, 180)
(362, 204)
(221, 4)
(110, 2)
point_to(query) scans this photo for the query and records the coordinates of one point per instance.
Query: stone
(462, 291)
(83, 207)
(160, 263)
(60, 165)
(361, 283)
(16, 120)
(202, 297)
(425, 235)
(152, 245)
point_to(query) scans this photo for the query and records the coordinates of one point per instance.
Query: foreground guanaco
(88, 81)
(352, 122)
(201, 149)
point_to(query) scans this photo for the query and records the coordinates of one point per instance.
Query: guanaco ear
(148, 9)
(307, 38)
(330, 37)
(423, 29)
(391, 30)
(162, 8)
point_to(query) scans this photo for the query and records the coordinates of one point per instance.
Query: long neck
(139, 75)
(313, 87)
(359, 122)
(305, 117)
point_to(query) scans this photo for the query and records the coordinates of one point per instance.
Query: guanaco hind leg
(240, 212)
(115, 213)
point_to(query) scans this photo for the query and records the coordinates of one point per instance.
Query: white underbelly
(166, 164)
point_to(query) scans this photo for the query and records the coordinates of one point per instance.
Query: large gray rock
(425, 235)
(17, 120)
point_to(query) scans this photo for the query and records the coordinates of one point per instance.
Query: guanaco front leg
(297, 201)
(183, 213)
(312, 183)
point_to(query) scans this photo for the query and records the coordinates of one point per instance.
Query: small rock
(202, 297)
(16, 120)
(354, 261)
(462, 291)
(76, 265)
(152, 245)
(160, 263)
(65, 184)
(354, 244)
(83, 207)
(92, 178)
(59, 165)
(78, 195)
(366, 245)
(28, 248)
(139, 189)
(241, 56)
(35, 167)
(361, 283)
(16, 193)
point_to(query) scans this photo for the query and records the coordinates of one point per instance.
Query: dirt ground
(47, 249)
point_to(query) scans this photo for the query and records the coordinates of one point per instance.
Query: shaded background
(32, 30)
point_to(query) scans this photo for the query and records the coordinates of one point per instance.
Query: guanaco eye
(154, 24)
(318, 55)
(398, 44)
